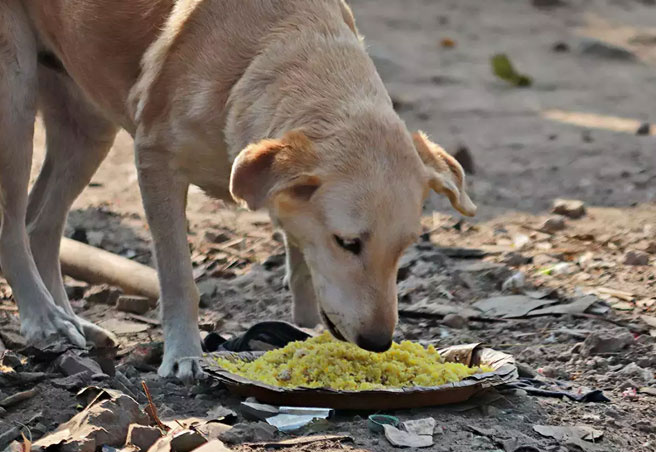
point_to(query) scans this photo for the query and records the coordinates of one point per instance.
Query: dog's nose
(374, 343)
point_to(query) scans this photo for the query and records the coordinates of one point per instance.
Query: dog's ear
(445, 175)
(274, 166)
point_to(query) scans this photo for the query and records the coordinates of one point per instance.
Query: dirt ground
(572, 134)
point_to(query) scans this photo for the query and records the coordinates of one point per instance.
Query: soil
(572, 134)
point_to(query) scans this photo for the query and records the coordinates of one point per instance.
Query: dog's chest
(205, 165)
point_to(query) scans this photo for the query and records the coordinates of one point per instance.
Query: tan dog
(274, 102)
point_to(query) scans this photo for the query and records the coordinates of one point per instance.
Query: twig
(18, 397)
(151, 406)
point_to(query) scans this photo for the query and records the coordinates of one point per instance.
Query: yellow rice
(324, 362)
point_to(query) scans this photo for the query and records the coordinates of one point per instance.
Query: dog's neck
(317, 79)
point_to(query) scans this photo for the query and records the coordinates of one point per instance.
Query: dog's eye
(351, 245)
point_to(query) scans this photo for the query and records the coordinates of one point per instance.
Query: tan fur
(273, 101)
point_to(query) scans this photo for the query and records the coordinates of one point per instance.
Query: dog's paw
(39, 328)
(182, 355)
(97, 337)
(186, 369)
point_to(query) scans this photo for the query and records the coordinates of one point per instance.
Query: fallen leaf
(503, 68)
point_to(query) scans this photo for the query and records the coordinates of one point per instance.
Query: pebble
(134, 304)
(554, 224)
(651, 248)
(249, 432)
(515, 259)
(454, 321)
(644, 129)
(608, 342)
(103, 294)
(142, 436)
(515, 283)
(636, 373)
(571, 208)
(596, 48)
(634, 257)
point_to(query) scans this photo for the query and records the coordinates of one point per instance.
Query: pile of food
(324, 362)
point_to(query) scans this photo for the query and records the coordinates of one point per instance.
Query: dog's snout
(374, 343)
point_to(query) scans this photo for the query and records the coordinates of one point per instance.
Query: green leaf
(503, 68)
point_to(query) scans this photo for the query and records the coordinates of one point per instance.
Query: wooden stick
(96, 266)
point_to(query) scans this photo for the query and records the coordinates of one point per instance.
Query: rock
(464, 157)
(570, 208)
(600, 49)
(554, 224)
(651, 248)
(454, 321)
(606, 342)
(186, 441)
(515, 283)
(103, 294)
(142, 436)
(399, 438)
(71, 363)
(249, 432)
(634, 257)
(641, 377)
(554, 372)
(73, 382)
(515, 259)
(75, 290)
(425, 426)
(560, 47)
(135, 304)
(644, 129)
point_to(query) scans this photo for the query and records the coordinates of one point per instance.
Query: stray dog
(274, 103)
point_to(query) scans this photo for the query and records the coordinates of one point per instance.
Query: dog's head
(352, 207)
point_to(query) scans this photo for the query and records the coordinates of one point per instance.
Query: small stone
(570, 208)
(70, 364)
(249, 432)
(135, 304)
(454, 321)
(560, 47)
(515, 283)
(640, 376)
(515, 259)
(207, 290)
(601, 49)
(602, 343)
(644, 129)
(142, 436)
(651, 248)
(554, 224)
(635, 257)
(554, 372)
(103, 294)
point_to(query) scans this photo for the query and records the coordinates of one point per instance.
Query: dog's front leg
(305, 309)
(164, 193)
